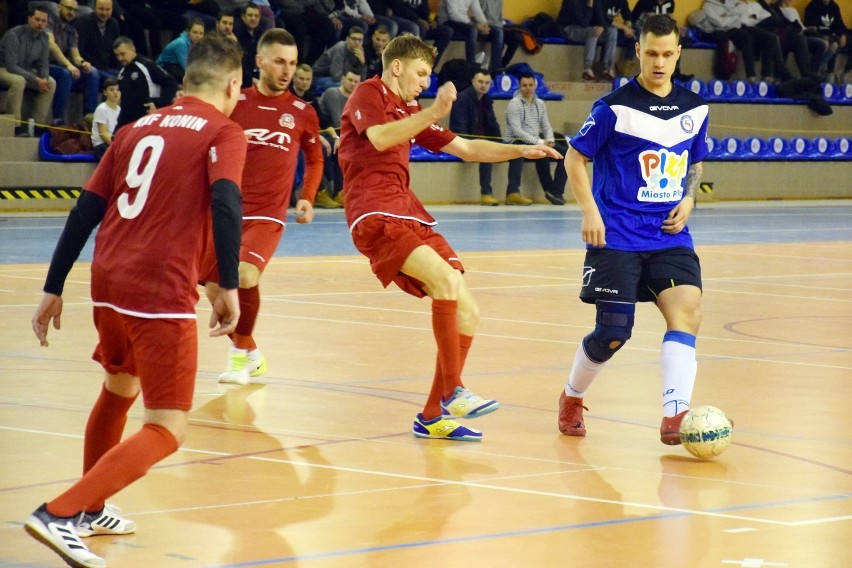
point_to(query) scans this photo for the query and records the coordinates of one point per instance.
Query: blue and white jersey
(641, 146)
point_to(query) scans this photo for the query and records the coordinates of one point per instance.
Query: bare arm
(485, 151)
(678, 216)
(593, 230)
(104, 132)
(389, 134)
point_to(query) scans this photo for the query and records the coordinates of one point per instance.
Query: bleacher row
(503, 86)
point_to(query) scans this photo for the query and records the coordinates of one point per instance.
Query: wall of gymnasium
(519, 10)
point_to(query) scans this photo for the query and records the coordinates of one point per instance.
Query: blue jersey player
(647, 140)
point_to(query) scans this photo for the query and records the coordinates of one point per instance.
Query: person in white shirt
(106, 117)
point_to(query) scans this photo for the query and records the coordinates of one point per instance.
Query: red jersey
(156, 179)
(277, 128)
(378, 183)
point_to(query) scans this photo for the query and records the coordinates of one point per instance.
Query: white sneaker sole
(81, 558)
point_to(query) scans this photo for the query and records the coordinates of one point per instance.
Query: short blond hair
(408, 46)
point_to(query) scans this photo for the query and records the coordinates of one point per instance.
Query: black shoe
(21, 132)
(554, 199)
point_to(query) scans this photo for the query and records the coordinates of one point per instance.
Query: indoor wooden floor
(315, 465)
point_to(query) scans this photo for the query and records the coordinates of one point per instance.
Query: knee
(468, 317)
(249, 275)
(445, 286)
(614, 326)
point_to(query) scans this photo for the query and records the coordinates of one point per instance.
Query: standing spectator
(24, 67)
(473, 115)
(106, 117)
(635, 212)
(248, 32)
(331, 103)
(144, 288)
(279, 126)
(498, 36)
(97, 33)
(373, 51)
(391, 227)
(173, 57)
(527, 123)
(143, 84)
(299, 17)
(583, 21)
(418, 11)
(823, 19)
(467, 21)
(68, 68)
(342, 57)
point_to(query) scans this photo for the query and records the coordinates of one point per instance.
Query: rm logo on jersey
(663, 172)
(287, 121)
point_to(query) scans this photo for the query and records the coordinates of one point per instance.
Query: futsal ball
(705, 432)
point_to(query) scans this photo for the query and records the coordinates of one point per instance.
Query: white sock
(237, 351)
(254, 354)
(583, 372)
(679, 367)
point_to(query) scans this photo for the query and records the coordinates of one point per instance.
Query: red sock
(105, 426)
(249, 307)
(464, 346)
(118, 468)
(445, 328)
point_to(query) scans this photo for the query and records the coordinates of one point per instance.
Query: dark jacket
(468, 112)
(578, 13)
(94, 47)
(135, 90)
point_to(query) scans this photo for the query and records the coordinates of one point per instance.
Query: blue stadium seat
(619, 82)
(696, 86)
(504, 86)
(831, 92)
(741, 90)
(732, 147)
(778, 148)
(420, 154)
(846, 93)
(843, 147)
(764, 90)
(800, 147)
(432, 87)
(822, 146)
(48, 155)
(717, 89)
(715, 147)
(756, 147)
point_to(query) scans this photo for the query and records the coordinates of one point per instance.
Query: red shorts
(162, 352)
(260, 238)
(387, 241)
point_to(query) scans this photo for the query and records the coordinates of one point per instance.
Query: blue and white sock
(677, 359)
(583, 372)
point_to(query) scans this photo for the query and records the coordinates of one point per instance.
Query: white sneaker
(107, 521)
(59, 534)
(239, 368)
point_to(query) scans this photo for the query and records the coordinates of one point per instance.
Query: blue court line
(524, 532)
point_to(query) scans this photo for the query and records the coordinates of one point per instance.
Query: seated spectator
(96, 34)
(645, 8)
(248, 32)
(385, 15)
(790, 35)
(68, 68)
(208, 11)
(24, 68)
(106, 117)
(331, 104)
(143, 84)
(583, 21)
(346, 55)
(823, 19)
(467, 21)
(225, 25)
(358, 13)
(173, 57)
(146, 21)
(473, 115)
(527, 123)
(373, 51)
(618, 15)
(418, 11)
(300, 16)
(817, 46)
(498, 36)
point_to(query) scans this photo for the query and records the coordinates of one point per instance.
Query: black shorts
(625, 276)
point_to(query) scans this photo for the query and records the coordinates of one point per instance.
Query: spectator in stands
(473, 116)
(208, 11)
(299, 16)
(373, 51)
(356, 13)
(418, 11)
(618, 15)
(67, 67)
(346, 55)
(106, 117)
(143, 84)
(498, 36)
(152, 16)
(737, 21)
(331, 104)
(385, 15)
(225, 25)
(817, 46)
(97, 33)
(823, 18)
(527, 123)
(467, 21)
(792, 39)
(173, 57)
(645, 8)
(248, 32)
(301, 85)
(583, 21)
(24, 67)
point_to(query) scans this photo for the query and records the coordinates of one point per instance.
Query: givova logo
(663, 172)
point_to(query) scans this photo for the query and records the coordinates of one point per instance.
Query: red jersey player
(278, 124)
(391, 227)
(153, 194)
